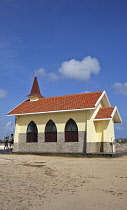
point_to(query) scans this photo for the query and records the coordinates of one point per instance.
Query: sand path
(29, 182)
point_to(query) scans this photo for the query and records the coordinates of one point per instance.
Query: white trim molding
(114, 111)
(102, 119)
(102, 95)
(69, 110)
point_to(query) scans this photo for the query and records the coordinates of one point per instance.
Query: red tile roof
(104, 112)
(67, 102)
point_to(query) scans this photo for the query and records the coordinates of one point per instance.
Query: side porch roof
(108, 113)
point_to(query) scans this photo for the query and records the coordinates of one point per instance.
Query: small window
(32, 132)
(50, 132)
(71, 131)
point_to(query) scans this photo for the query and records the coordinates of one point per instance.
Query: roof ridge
(81, 101)
(107, 107)
(73, 94)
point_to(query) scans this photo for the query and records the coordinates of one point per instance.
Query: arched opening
(71, 131)
(32, 132)
(50, 132)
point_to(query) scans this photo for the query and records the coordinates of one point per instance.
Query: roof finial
(35, 91)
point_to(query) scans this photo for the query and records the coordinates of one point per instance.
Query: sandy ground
(62, 183)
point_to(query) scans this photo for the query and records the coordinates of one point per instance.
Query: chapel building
(78, 123)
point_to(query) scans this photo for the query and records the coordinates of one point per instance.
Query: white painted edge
(102, 119)
(114, 111)
(69, 110)
(98, 101)
(107, 99)
(102, 95)
(16, 107)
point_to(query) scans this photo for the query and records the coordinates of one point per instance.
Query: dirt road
(29, 182)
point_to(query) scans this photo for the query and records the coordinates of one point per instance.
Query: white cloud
(3, 93)
(8, 124)
(42, 73)
(86, 91)
(81, 70)
(120, 88)
(9, 127)
(6, 128)
(119, 127)
(53, 76)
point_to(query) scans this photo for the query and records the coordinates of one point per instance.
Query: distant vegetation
(1, 141)
(121, 140)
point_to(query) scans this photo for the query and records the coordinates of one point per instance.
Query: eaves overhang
(56, 111)
(102, 119)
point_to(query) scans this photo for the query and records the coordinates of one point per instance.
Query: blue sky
(75, 46)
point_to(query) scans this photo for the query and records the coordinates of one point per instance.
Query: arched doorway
(32, 132)
(71, 131)
(50, 132)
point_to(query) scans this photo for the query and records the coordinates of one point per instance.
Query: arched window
(32, 132)
(71, 131)
(50, 132)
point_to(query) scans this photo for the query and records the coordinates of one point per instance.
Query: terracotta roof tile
(67, 102)
(104, 112)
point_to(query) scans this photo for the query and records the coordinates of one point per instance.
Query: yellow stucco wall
(97, 131)
(91, 131)
(99, 126)
(104, 130)
(109, 133)
(59, 118)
